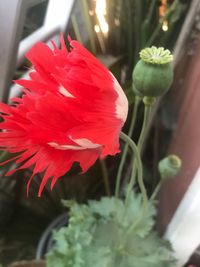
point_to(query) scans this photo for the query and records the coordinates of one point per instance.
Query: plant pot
(33, 263)
(46, 241)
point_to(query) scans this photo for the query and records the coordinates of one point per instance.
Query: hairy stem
(138, 163)
(156, 190)
(142, 137)
(125, 151)
(105, 177)
(147, 112)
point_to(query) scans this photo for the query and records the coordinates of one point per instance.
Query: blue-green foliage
(108, 233)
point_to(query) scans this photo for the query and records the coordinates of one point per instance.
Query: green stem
(89, 26)
(156, 190)
(148, 102)
(129, 31)
(4, 155)
(105, 177)
(159, 26)
(125, 151)
(137, 27)
(147, 112)
(138, 163)
(154, 34)
(146, 23)
(141, 140)
(150, 11)
(76, 29)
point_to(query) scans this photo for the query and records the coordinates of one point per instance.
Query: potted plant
(87, 110)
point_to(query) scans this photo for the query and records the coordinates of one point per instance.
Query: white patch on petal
(82, 144)
(64, 92)
(65, 147)
(121, 102)
(85, 143)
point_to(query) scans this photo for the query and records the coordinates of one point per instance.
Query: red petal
(70, 96)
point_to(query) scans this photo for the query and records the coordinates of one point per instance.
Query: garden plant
(73, 110)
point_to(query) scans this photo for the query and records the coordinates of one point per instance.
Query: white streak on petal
(85, 143)
(121, 102)
(65, 147)
(64, 92)
(82, 144)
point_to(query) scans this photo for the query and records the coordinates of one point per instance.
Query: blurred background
(114, 31)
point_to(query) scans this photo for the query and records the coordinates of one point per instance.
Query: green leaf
(108, 207)
(110, 233)
(134, 211)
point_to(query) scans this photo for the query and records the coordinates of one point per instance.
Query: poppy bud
(169, 166)
(153, 74)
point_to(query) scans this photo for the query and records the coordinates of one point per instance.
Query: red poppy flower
(72, 110)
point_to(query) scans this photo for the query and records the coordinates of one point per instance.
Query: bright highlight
(101, 12)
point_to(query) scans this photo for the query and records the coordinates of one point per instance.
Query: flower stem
(156, 190)
(147, 113)
(125, 151)
(159, 26)
(137, 28)
(146, 23)
(76, 29)
(148, 102)
(105, 177)
(89, 26)
(141, 140)
(138, 163)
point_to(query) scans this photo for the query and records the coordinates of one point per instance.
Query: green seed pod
(153, 74)
(169, 167)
